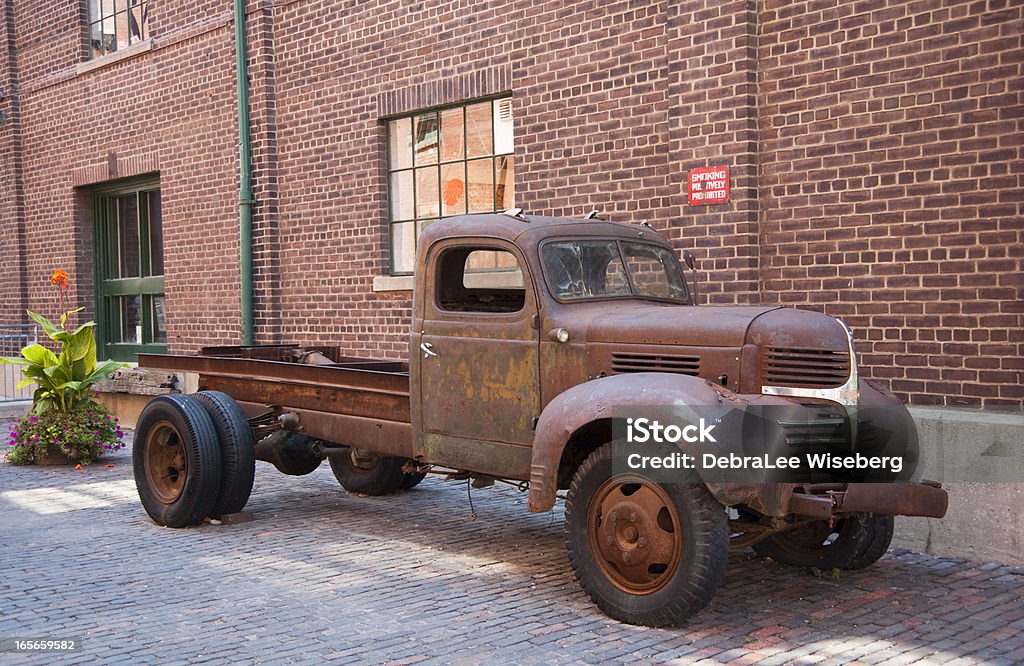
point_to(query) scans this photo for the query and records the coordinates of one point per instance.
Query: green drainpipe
(245, 199)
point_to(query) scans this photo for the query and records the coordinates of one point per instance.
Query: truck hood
(666, 324)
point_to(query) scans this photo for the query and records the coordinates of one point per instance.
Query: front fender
(596, 400)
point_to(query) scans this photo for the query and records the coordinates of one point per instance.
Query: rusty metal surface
(708, 362)
(274, 371)
(815, 506)
(634, 536)
(897, 499)
(594, 401)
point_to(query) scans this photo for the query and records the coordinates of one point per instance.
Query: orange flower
(60, 278)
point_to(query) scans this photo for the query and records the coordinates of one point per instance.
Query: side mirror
(691, 263)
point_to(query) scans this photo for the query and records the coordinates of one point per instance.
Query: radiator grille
(806, 368)
(682, 365)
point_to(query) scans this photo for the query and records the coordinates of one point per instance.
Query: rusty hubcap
(166, 465)
(634, 534)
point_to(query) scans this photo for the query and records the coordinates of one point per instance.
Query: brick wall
(874, 149)
(891, 185)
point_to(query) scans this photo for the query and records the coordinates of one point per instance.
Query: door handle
(427, 349)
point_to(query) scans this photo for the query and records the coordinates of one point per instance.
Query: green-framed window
(116, 24)
(448, 161)
(129, 261)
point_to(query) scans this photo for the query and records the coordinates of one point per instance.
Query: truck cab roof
(527, 229)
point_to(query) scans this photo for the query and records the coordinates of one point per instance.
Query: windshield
(587, 269)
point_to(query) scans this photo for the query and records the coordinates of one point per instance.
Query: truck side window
(479, 280)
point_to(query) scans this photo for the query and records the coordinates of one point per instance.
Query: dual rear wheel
(193, 457)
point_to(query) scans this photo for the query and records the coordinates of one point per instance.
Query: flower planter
(54, 456)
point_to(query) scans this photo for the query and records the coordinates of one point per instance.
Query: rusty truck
(530, 338)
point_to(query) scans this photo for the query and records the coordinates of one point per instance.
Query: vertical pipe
(245, 199)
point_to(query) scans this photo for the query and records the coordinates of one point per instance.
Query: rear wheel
(238, 456)
(853, 542)
(646, 553)
(176, 461)
(366, 473)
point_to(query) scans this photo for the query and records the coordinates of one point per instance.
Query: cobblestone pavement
(322, 576)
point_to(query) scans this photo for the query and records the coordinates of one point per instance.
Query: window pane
(401, 196)
(478, 130)
(453, 146)
(159, 317)
(156, 234)
(453, 189)
(136, 21)
(581, 269)
(128, 236)
(426, 139)
(420, 226)
(109, 34)
(400, 143)
(131, 319)
(403, 246)
(505, 187)
(96, 40)
(426, 193)
(503, 126)
(121, 18)
(480, 176)
(655, 271)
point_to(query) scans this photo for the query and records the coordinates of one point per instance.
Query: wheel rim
(634, 534)
(166, 463)
(361, 462)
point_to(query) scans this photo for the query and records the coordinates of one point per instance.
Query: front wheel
(646, 553)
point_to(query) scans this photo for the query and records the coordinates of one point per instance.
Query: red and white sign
(709, 185)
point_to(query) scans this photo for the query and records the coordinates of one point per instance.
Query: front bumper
(896, 499)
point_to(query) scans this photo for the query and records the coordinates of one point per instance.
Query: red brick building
(874, 148)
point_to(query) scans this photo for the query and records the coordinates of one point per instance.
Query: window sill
(115, 57)
(393, 283)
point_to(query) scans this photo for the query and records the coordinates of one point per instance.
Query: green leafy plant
(64, 379)
(82, 435)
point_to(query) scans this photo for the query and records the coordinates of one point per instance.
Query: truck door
(478, 358)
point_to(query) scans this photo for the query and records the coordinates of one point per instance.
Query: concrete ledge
(117, 56)
(393, 283)
(985, 520)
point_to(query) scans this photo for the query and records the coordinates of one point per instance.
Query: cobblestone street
(322, 576)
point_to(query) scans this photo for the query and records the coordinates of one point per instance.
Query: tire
(176, 461)
(848, 544)
(411, 480)
(615, 525)
(880, 528)
(368, 474)
(237, 450)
